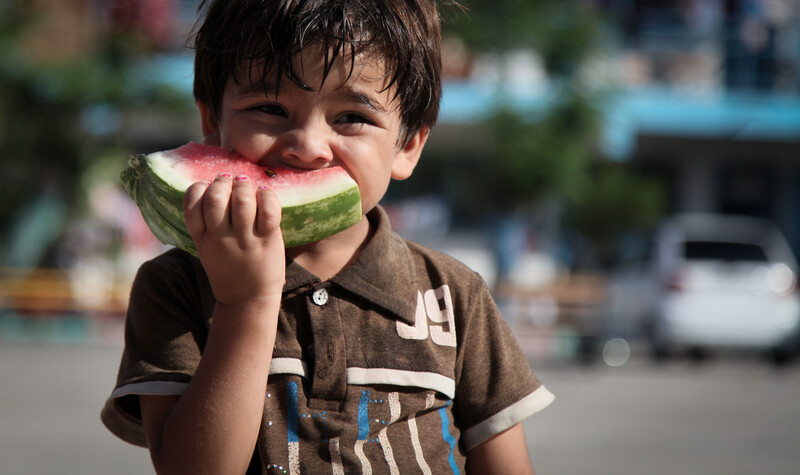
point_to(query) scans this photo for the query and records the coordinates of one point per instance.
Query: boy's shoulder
(173, 272)
(171, 262)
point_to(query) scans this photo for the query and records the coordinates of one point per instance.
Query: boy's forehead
(311, 70)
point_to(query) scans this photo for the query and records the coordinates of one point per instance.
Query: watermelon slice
(316, 203)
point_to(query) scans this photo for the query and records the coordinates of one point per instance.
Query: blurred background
(622, 173)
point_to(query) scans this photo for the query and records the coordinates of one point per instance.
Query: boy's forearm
(505, 453)
(214, 425)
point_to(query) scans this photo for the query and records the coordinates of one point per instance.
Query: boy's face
(349, 121)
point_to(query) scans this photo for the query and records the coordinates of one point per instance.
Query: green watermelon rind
(161, 206)
(309, 222)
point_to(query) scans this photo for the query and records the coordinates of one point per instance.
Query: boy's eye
(271, 109)
(353, 118)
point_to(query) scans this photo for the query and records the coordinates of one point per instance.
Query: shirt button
(320, 297)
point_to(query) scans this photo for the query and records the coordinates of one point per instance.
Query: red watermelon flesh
(194, 162)
(315, 203)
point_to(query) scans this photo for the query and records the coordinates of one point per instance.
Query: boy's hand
(236, 230)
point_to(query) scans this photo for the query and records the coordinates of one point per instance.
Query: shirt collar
(383, 273)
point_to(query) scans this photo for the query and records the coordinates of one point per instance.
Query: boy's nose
(309, 144)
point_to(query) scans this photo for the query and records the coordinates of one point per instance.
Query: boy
(358, 353)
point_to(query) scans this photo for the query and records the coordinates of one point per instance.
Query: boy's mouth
(271, 164)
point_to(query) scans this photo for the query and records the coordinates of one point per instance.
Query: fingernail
(241, 178)
(206, 182)
(225, 175)
(263, 187)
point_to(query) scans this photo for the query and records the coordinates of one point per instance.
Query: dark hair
(236, 35)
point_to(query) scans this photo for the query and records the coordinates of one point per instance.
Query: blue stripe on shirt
(292, 416)
(448, 437)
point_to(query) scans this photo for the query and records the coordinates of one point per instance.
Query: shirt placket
(329, 373)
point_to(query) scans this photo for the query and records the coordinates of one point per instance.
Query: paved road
(721, 417)
(732, 417)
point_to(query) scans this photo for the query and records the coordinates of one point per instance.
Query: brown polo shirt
(399, 364)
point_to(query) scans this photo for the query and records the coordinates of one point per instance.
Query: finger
(243, 207)
(268, 215)
(216, 204)
(193, 209)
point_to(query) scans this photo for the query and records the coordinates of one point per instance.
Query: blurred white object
(725, 282)
(470, 250)
(533, 270)
(616, 352)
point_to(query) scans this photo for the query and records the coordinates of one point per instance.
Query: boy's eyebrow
(256, 88)
(364, 100)
(347, 93)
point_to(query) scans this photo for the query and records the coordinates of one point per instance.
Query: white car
(724, 282)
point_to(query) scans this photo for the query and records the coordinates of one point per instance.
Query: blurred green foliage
(615, 202)
(533, 158)
(540, 153)
(58, 115)
(553, 152)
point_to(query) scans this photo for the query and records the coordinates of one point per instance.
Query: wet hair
(238, 35)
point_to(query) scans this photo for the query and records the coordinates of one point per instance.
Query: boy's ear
(210, 125)
(408, 156)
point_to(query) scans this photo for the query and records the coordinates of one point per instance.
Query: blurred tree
(614, 202)
(536, 158)
(53, 107)
(536, 155)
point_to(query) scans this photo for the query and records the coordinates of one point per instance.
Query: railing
(730, 57)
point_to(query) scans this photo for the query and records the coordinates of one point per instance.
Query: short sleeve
(496, 387)
(165, 329)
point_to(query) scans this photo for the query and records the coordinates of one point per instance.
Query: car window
(724, 251)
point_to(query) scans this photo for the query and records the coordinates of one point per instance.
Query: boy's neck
(327, 257)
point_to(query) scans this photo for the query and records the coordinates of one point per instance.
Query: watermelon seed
(270, 172)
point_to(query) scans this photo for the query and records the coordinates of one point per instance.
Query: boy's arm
(212, 427)
(505, 453)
